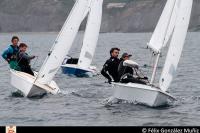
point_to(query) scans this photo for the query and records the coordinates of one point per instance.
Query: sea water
(80, 103)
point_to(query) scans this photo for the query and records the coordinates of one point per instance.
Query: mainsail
(63, 42)
(91, 34)
(164, 27)
(176, 45)
(172, 22)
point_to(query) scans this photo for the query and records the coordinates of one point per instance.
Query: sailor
(110, 68)
(129, 74)
(125, 69)
(10, 53)
(24, 59)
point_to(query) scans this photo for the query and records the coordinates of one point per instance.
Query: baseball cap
(126, 55)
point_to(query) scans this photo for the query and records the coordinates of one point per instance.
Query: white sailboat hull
(29, 88)
(142, 94)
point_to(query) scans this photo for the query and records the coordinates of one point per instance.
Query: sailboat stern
(26, 84)
(142, 94)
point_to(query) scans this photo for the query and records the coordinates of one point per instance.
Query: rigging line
(36, 60)
(149, 64)
(138, 70)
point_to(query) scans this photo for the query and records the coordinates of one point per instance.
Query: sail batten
(63, 42)
(91, 34)
(176, 44)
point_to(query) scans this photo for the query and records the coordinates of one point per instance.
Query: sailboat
(43, 82)
(81, 66)
(171, 28)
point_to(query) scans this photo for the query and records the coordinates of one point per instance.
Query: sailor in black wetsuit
(110, 68)
(24, 59)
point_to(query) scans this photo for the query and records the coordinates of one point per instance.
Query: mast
(155, 68)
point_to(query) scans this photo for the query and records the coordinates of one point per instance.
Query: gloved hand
(136, 67)
(109, 81)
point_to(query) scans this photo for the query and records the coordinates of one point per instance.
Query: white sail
(63, 42)
(176, 45)
(91, 34)
(164, 27)
(172, 22)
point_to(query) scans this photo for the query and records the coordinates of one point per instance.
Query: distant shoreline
(190, 31)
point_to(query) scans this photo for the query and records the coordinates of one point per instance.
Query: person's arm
(120, 70)
(26, 56)
(104, 71)
(5, 53)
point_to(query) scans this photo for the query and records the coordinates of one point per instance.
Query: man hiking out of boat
(24, 59)
(129, 74)
(10, 54)
(110, 68)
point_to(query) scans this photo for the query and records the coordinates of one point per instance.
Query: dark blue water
(81, 101)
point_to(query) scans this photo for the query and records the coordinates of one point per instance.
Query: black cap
(126, 55)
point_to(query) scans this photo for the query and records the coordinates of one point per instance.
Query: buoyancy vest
(13, 56)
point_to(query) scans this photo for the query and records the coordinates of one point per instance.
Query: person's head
(22, 47)
(15, 40)
(114, 52)
(126, 56)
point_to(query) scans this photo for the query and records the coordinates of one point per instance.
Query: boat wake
(17, 93)
(111, 101)
(73, 91)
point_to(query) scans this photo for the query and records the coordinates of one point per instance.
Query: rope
(35, 62)
(143, 75)
(150, 63)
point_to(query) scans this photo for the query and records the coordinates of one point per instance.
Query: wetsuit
(24, 62)
(10, 55)
(124, 69)
(110, 68)
(126, 74)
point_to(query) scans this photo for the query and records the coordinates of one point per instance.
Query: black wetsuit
(24, 62)
(111, 66)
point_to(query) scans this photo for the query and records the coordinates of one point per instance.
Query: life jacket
(13, 56)
(22, 62)
(122, 70)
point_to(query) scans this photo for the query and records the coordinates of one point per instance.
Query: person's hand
(109, 81)
(34, 56)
